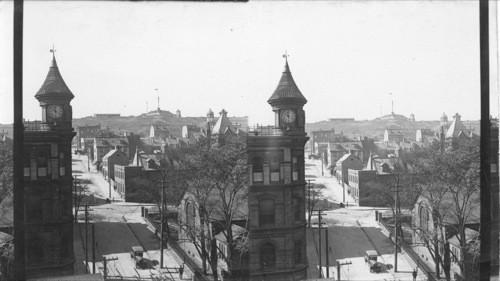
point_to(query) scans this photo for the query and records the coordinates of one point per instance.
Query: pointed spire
(54, 83)
(53, 51)
(287, 90)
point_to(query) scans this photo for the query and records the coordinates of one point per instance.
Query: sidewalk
(101, 187)
(405, 263)
(334, 191)
(171, 261)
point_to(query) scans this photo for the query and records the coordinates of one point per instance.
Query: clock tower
(277, 223)
(287, 102)
(48, 181)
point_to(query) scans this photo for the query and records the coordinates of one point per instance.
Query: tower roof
(54, 83)
(223, 125)
(287, 90)
(456, 127)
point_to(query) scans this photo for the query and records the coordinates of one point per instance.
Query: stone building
(86, 132)
(348, 161)
(363, 183)
(321, 137)
(103, 145)
(48, 182)
(277, 188)
(337, 150)
(112, 158)
(159, 131)
(393, 133)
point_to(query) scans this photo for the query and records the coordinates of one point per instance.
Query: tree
(448, 179)
(6, 209)
(80, 190)
(6, 180)
(218, 180)
(313, 196)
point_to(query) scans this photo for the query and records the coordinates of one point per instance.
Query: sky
(349, 59)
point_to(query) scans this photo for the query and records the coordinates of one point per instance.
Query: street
(118, 227)
(351, 232)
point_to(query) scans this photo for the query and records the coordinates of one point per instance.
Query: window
(297, 251)
(274, 164)
(257, 169)
(266, 212)
(267, 256)
(297, 209)
(189, 217)
(423, 218)
(295, 168)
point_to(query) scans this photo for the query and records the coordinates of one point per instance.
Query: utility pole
(93, 248)
(396, 202)
(86, 234)
(319, 234)
(162, 223)
(320, 214)
(327, 250)
(75, 198)
(18, 146)
(88, 159)
(86, 249)
(105, 266)
(338, 268)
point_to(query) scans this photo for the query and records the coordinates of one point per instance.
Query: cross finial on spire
(53, 50)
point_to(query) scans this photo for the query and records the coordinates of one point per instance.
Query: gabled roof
(347, 156)
(113, 152)
(346, 146)
(54, 83)
(470, 234)
(287, 90)
(376, 163)
(337, 147)
(456, 127)
(223, 125)
(123, 141)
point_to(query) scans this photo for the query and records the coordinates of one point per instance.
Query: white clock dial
(288, 116)
(55, 111)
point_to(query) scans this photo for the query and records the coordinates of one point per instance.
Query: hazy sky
(346, 57)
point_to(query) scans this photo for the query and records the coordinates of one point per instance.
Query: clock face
(55, 111)
(288, 116)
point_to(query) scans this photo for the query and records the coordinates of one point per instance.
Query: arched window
(266, 212)
(267, 256)
(423, 218)
(257, 169)
(190, 214)
(274, 165)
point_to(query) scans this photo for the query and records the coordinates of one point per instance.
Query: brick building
(48, 218)
(277, 189)
(86, 132)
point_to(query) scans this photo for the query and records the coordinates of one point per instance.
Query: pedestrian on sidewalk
(414, 274)
(181, 270)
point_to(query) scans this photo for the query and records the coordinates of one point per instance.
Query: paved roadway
(118, 227)
(352, 231)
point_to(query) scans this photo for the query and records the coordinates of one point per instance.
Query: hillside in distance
(140, 124)
(376, 128)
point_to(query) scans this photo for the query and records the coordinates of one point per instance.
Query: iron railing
(264, 131)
